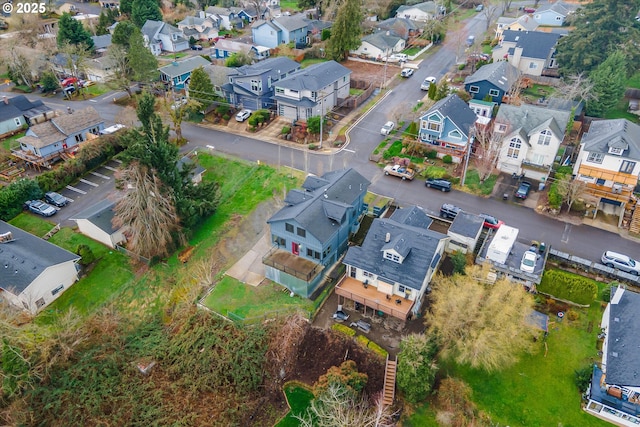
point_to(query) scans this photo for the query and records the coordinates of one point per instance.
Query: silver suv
(621, 262)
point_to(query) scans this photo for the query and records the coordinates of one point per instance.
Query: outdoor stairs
(634, 225)
(389, 381)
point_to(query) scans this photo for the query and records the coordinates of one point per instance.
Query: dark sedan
(55, 199)
(523, 190)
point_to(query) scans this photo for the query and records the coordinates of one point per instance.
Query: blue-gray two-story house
(552, 14)
(311, 232)
(447, 127)
(285, 29)
(492, 82)
(252, 86)
(177, 74)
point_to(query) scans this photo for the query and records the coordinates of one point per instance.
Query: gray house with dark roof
(97, 222)
(18, 112)
(614, 392)
(464, 232)
(35, 271)
(310, 233)
(401, 27)
(160, 36)
(552, 14)
(392, 269)
(492, 81)
(446, 127)
(531, 52)
(312, 91)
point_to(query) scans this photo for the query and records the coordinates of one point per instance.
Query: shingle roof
(456, 110)
(534, 44)
(20, 106)
(277, 65)
(293, 22)
(418, 244)
(150, 29)
(186, 66)
(605, 133)
(60, 127)
(102, 42)
(232, 46)
(557, 7)
(501, 74)
(525, 21)
(317, 208)
(427, 7)
(191, 21)
(527, 119)
(381, 40)
(398, 26)
(466, 224)
(623, 339)
(26, 257)
(259, 22)
(413, 216)
(101, 215)
(315, 77)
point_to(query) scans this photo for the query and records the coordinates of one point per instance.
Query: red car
(69, 81)
(491, 221)
(529, 10)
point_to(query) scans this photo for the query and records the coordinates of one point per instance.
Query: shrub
(326, 34)
(555, 199)
(606, 293)
(13, 196)
(447, 159)
(459, 261)
(431, 154)
(573, 315)
(377, 349)
(583, 378)
(461, 66)
(362, 340)
(226, 117)
(393, 151)
(285, 130)
(569, 286)
(222, 109)
(313, 147)
(343, 329)
(435, 172)
(86, 254)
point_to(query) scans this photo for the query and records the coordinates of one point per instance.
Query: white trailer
(502, 243)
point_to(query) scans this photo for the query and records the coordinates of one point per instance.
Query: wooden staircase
(634, 225)
(389, 390)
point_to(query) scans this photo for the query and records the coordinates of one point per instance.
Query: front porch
(370, 297)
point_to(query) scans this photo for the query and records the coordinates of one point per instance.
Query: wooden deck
(370, 297)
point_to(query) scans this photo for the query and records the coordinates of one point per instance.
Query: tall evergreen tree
(201, 88)
(122, 33)
(601, 27)
(144, 66)
(125, 7)
(143, 10)
(71, 31)
(346, 30)
(608, 84)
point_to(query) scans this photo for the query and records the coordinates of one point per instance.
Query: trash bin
(541, 186)
(542, 247)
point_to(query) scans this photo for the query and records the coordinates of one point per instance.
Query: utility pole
(321, 117)
(472, 133)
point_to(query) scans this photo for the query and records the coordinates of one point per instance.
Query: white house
(35, 272)
(97, 222)
(380, 45)
(529, 138)
(421, 12)
(160, 36)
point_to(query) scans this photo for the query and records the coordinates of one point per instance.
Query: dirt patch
(371, 72)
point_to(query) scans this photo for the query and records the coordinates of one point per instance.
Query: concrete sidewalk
(249, 269)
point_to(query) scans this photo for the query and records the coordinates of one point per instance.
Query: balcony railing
(292, 264)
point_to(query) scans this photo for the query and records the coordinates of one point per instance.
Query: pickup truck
(400, 171)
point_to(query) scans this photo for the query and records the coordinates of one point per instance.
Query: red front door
(295, 248)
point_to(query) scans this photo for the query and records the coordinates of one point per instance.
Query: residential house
(199, 27)
(483, 109)
(250, 14)
(614, 391)
(492, 82)
(161, 37)
(224, 48)
(219, 76)
(227, 18)
(311, 232)
(531, 52)
(177, 74)
(529, 138)
(392, 269)
(101, 43)
(18, 112)
(421, 12)
(97, 222)
(252, 86)
(48, 141)
(109, 4)
(98, 69)
(379, 45)
(312, 91)
(401, 27)
(35, 271)
(283, 30)
(447, 126)
(464, 232)
(315, 28)
(521, 23)
(195, 171)
(552, 14)
(609, 162)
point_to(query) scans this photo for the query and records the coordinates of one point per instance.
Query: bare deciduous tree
(576, 87)
(146, 212)
(487, 152)
(121, 79)
(488, 12)
(478, 323)
(177, 112)
(571, 189)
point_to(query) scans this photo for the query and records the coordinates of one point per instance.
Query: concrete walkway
(249, 269)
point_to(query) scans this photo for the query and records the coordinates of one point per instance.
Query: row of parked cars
(48, 206)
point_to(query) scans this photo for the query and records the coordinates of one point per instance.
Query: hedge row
(367, 343)
(343, 329)
(569, 286)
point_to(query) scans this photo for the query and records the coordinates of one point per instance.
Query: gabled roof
(260, 22)
(151, 29)
(229, 45)
(623, 338)
(603, 133)
(101, 42)
(427, 7)
(382, 40)
(501, 74)
(534, 44)
(59, 128)
(413, 216)
(456, 110)
(315, 77)
(222, 11)
(276, 65)
(525, 21)
(557, 7)
(186, 66)
(466, 224)
(417, 244)
(316, 208)
(398, 26)
(26, 257)
(293, 22)
(192, 21)
(169, 29)
(101, 215)
(528, 119)
(219, 74)
(21, 106)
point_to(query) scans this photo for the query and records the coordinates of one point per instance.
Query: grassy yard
(307, 62)
(8, 142)
(473, 182)
(289, 5)
(96, 90)
(299, 398)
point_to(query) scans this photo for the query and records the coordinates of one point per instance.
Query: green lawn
(235, 299)
(289, 5)
(96, 90)
(473, 182)
(307, 62)
(7, 142)
(299, 398)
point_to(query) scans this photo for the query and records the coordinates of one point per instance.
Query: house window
(40, 303)
(288, 227)
(545, 137)
(502, 128)
(17, 121)
(494, 92)
(533, 65)
(352, 272)
(367, 274)
(392, 257)
(314, 96)
(302, 232)
(601, 181)
(433, 126)
(558, 18)
(309, 253)
(514, 148)
(595, 157)
(79, 138)
(57, 290)
(616, 151)
(474, 89)
(401, 288)
(279, 91)
(280, 241)
(256, 85)
(627, 166)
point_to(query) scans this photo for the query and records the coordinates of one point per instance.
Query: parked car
(491, 221)
(243, 115)
(621, 262)
(69, 81)
(55, 199)
(196, 47)
(41, 208)
(397, 57)
(426, 84)
(471, 40)
(523, 190)
(340, 316)
(406, 72)
(438, 184)
(387, 128)
(479, 8)
(449, 211)
(529, 10)
(528, 263)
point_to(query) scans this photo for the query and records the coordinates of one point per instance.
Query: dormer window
(617, 151)
(392, 257)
